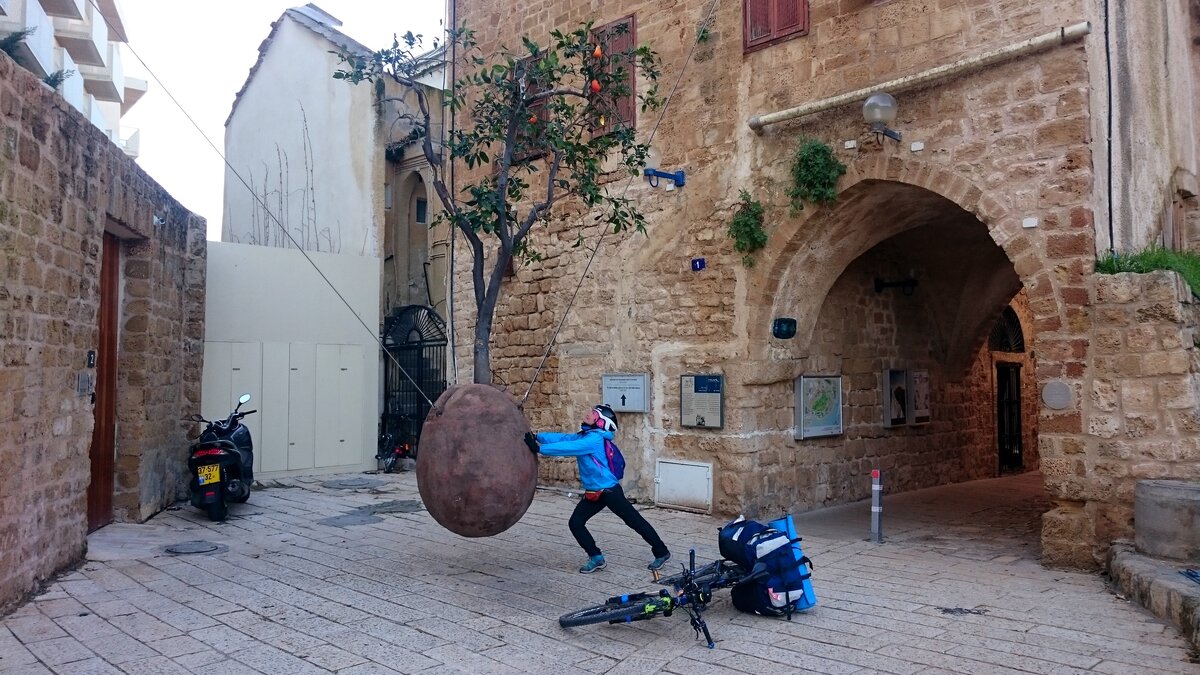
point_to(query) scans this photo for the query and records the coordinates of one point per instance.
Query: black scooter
(222, 463)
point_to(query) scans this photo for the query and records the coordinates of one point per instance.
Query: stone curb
(1157, 585)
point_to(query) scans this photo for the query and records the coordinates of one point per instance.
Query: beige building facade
(317, 164)
(1035, 137)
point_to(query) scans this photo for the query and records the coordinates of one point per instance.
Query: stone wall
(1006, 180)
(1141, 406)
(63, 184)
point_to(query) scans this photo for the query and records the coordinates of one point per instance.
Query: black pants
(616, 501)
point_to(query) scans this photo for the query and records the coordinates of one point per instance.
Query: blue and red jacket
(587, 447)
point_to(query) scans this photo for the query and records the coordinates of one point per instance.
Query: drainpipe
(1108, 77)
(1033, 45)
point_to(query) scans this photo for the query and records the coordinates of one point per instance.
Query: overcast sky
(202, 53)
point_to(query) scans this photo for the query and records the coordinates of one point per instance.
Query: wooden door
(100, 489)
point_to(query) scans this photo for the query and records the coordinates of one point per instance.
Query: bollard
(876, 507)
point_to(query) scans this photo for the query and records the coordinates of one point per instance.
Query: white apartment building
(83, 36)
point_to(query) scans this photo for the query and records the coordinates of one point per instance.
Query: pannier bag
(787, 585)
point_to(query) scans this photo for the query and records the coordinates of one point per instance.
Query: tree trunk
(483, 358)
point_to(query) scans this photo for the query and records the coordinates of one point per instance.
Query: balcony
(134, 88)
(111, 10)
(130, 142)
(106, 83)
(72, 87)
(36, 52)
(86, 39)
(71, 9)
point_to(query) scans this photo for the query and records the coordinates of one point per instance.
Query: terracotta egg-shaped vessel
(475, 474)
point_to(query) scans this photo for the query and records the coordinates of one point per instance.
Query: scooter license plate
(208, 474)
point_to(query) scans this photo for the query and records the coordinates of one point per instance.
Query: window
(766, 22)
(422, 211)
(618, 37)
(530, 144)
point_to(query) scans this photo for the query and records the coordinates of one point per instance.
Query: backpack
(786, 586)
(616, 461)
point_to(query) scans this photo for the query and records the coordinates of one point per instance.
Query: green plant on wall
(1186, 263)
(815, 173)
(746, 228)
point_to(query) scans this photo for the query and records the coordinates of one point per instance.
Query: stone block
(1167, 519)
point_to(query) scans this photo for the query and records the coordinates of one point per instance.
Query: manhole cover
(350, 520)
(194, 547)
(351, 483)
(395, 506)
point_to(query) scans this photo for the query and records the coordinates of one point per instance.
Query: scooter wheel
(217, 511)
(389, 464)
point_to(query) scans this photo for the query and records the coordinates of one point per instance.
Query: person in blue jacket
(601, 488)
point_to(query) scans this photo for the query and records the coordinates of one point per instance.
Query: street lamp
(879, 111)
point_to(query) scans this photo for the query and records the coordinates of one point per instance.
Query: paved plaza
(347, 574)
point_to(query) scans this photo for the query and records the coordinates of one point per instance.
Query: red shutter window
(758, 21)
(620, 110)
(529, 139)
(769, 21)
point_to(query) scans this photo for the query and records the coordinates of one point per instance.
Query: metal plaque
(702, 401)
(625, 392)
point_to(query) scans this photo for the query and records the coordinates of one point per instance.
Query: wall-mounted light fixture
(906, 286)
(783, 328)
(879, 111)
(654, 174)
(159, 220)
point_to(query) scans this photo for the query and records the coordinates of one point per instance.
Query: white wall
(274, 328)
(330, 193)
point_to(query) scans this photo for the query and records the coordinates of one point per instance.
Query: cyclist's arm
(564, 445)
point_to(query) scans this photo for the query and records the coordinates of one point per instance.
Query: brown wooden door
(100, 489)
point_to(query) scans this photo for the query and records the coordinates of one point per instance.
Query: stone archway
(887, 198)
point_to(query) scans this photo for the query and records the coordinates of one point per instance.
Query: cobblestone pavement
(309, 579)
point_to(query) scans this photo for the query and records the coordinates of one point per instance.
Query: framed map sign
(818, 406)
(702, 401)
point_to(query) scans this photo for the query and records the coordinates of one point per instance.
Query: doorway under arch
(897, 288)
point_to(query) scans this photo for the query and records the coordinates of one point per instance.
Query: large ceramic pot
(475, 473)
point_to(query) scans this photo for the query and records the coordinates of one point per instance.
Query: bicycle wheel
(612, 611)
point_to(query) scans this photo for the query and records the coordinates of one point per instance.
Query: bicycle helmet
(602, 417)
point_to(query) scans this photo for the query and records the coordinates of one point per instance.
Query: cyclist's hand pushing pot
(532, 442)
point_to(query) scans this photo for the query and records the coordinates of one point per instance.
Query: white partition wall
(275, 329)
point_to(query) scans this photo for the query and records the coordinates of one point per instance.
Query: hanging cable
(262, 203)
(662, 113)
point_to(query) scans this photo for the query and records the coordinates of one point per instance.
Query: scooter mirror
(244, 399)
(196, 418)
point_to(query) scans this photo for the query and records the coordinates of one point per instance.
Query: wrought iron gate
(414, 338)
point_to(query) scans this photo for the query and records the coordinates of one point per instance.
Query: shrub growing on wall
(815, 173)
(746, 228)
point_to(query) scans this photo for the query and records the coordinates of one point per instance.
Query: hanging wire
(662, 113)
(262, 203)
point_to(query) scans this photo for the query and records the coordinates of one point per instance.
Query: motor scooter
(222, 463)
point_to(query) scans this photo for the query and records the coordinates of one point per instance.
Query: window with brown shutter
(530, 144)
(766, 22)
(620, 111)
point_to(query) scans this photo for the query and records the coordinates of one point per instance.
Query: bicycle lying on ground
(690, 591)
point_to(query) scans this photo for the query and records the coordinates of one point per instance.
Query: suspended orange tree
(536, 125)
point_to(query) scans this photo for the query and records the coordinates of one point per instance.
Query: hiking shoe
(594, 563)
(658, 562)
